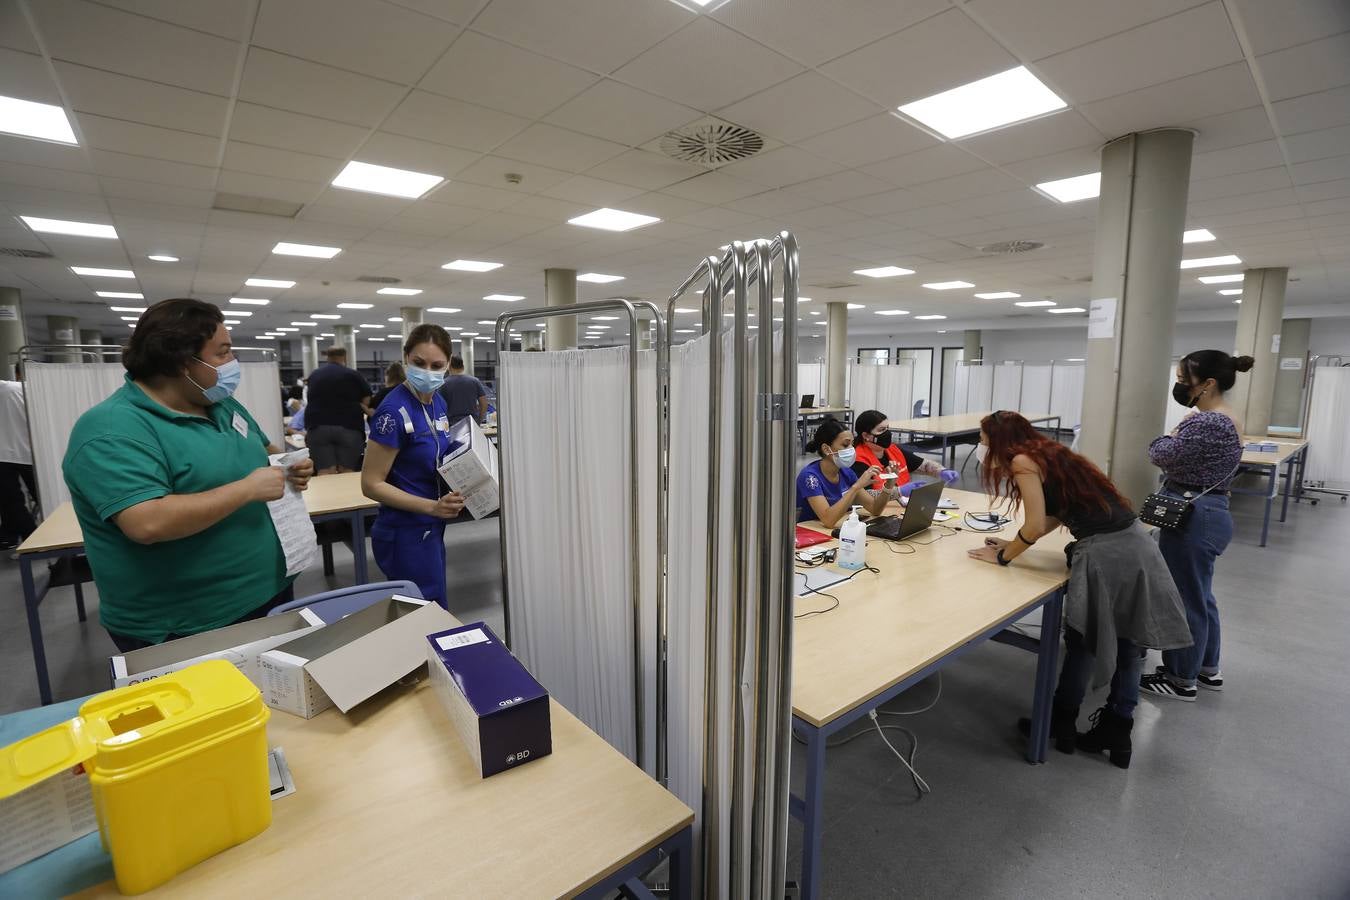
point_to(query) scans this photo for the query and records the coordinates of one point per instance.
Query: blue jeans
(1073, 678)
(413, 553)
(1190, 555)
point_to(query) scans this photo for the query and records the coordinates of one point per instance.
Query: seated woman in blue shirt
(409, 438)
(828, 488)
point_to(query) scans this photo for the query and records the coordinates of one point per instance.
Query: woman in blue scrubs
(409, 438)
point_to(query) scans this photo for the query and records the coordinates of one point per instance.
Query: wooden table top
(1287, 449)
(957, 424)
(388, 803)
(822, 410)
(326, 494)
(921, 607)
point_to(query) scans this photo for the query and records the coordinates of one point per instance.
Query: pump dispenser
(852, 542)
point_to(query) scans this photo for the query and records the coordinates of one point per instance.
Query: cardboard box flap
(214, 641)
(362, 668)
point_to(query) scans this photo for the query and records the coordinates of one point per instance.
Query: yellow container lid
(138, 725)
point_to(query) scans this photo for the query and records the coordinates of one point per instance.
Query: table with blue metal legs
(1292, 457)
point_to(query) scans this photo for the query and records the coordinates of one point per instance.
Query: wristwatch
(1003, 561)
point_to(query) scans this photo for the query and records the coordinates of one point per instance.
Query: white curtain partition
(1066, 393)
(1329, 429)
(811, 380)
(566, 476)
(57, 394)
(974, 388)
(888, 388)
(1007, 389)
(1036, 389)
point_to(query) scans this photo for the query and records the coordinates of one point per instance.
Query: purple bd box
(497, 707)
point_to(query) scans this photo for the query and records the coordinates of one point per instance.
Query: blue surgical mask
(227, 380)
(424, 381)
(846, 457)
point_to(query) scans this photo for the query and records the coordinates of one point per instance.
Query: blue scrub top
(414, 469)
(811, 482)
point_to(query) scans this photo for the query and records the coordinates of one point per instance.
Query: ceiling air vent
(712, 142)
(262, 206)
(379, 279)
(20, 253)
(1007, 248)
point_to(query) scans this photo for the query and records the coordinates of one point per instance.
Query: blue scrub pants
(413, 553)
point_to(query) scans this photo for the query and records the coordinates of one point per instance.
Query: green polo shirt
(130, 449)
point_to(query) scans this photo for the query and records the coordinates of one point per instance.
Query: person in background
(464, 395)
(335, 415)
(393, 377)
(409, 436)
(1120, 596)
(170, 480)
(875, 448)
(1198, 460)
(827, 488)
(16, 464)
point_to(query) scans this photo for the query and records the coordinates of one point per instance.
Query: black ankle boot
(1063, 728)
(1109, 732)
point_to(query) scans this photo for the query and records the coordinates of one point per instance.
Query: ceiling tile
(14, 31)
(251, 185)
(941, 161)
(707, 66)
(1307, 68)
(461, 12)
(420, 156)
(256, 160)
(568, 31)
(140, 168)
(922, 60)
(800, 107)
(1274, 26)
(665, 206)
(1308, 113)
(93, 35)
(269, 127)
(839, 186)
(137, 100)
(366, 36)
(1322, 170)
(1181, 102)
(1064, 130)
(146, 140)
(592, 191)
(1189, 42)
(223, 18)
(1232, 129)
(488, 72)
(1246, 158)
(557, 147)
(13, 174)
(785, 165)
(460, 193)
(1036, 29)
(158, 199)
(871, 140)
(713, 188)
(772, 204)
(640, 168)
(491, 171)
(454, 122)
(1238, 184)
(620, 113)
(1317, 144)
(284, 82)
(813, 33)
(882, 203)
(25, 75)
(960, 187)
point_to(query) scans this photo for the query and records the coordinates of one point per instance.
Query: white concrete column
(532, 340)
(646, 327)
(64, 330)
(1286, 408)
(560, 289)
(12, 334)
(92, 336)
(309, 353)
(412, 317)
(466, 353)
(972, 350)
(836, 352)
(345, 336)
(1141, 215)
(1258, 336)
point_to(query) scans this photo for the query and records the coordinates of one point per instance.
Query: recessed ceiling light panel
(892, 312)
(1066, 309)
(471, 265)
(929, 318)
(504, 298)
(948, 285)
(161, 257)
(102, 273)
(132, 295)
(250, 301)
(998, 295)
(1071, 190)
(994, 102)
(608, 219)
(1210, 261)
(355, 305)
(267, 282)
(1231, 292)
(883, 272)
(1221, 279)
(35, 120)
(1196, 236)
(76, 229)
(324, 316)
(597, 278)
(400, 292)
(1034, 303)
(285, 248)
(373, 179)
(446, 310)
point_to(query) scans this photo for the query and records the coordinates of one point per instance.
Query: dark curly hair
(168, 335)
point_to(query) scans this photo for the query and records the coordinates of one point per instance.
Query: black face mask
(1182, 394)
(883, 440)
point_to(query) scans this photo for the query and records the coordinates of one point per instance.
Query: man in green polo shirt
(170, 480)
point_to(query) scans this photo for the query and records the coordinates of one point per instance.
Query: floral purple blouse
(1204, 450)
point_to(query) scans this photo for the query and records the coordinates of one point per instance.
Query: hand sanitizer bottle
(852, 542)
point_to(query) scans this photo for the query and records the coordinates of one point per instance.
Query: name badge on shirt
(240, 424)
(443, 424)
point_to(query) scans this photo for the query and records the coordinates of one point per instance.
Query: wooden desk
(808, 414)
(948, 427)
(1292, 455)
(893, 629)
(329, 498)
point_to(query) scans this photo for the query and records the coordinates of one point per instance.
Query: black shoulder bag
(1172, 513)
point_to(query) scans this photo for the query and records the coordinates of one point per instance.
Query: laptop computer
(918, 515)
(808, 401)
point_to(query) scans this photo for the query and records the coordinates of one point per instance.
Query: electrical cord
(810, 590)
(989, 523)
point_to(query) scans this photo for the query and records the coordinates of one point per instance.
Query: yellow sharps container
(177, 766)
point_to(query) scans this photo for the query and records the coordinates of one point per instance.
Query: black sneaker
(1159, 685)
(1210, 682)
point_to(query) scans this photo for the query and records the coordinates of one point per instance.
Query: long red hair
(1076, 480)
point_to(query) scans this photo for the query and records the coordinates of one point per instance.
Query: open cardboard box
(471, 468)
(241, 644)
(352, 659)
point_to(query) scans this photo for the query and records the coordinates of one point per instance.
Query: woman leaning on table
(1120, 596)
(1198, 460)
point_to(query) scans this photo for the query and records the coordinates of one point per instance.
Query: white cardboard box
(471, 468)
(241, 644)
(352, 659)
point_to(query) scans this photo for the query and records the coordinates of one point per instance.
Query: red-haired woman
(1120, 597)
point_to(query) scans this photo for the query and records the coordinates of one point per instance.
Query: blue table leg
(682, 865)
(1270, 499)
(944, 452)
(1288, 486)
(359, 546)
(30, 605)
(79, 601)
(813, 818)
(1047, 659)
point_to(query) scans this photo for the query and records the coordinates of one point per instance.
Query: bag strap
(1217, 483)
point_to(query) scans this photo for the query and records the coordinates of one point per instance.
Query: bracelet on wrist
(1024, 540)
(1003, 560)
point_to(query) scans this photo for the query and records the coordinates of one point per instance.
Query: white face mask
(981, 451)
(845, 458)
